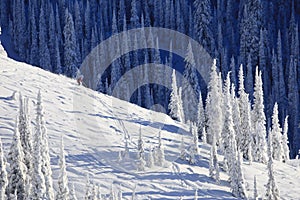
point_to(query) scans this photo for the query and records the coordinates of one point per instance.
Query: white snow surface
(94, 126)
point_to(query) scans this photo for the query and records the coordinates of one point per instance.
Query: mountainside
(94, 127)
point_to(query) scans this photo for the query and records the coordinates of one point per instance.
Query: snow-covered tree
(150, 161)
(46, 168)
(160, 152)
(3, 173)
(37, 185)
(25, 131)
(140, 147)
(237, 178)
(63, 188)
(190, 86)
(195, 139)
(245, 129)
(174, 100)
(272, 192)
(214, 106)
(70, 48)
(228, 133)
(285, 141)
(181, 104)
(200, 116)
(17, 173)
(259, 121)
(276, 132)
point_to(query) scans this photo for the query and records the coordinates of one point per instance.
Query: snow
(94, 126)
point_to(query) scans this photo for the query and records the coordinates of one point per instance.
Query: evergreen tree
(44, 53)
(25, 132)
(70, 49)
(37, 186)
(140, 147)
(34, 51)
(160, 152)
(228, 132)
(214, 107)
(63, 189)
(272, 192)
(3, 174)
(203, 24)
(249, 78)
(174, 106)
(200, 116)
(277, 147)
(150, 159)
(17, 173)
(134, 19)
(285, 141)
(190, 86)
(182, 149)
(245, 128)
(259, 121)
(46, 168)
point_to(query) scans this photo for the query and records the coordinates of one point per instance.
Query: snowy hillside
(94, 127)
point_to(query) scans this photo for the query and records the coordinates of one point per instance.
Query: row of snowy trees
(235, 32)
(26, 173)
(235, 127)
(29, 174)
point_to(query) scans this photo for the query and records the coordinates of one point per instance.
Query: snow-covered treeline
(58, 35)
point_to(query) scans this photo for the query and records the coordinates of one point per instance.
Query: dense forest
(58, 35)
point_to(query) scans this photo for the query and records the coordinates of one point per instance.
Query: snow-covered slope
(94, 127)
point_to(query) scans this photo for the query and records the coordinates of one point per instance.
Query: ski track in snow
(94, 126)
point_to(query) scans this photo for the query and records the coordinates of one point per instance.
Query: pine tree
(200, 116)
(46, 168)
(182, 149)
(17, 173)
(37, 186)
(63, 189)
(272, 192)
(3, 174)
(134, 19)
(276, 132)
(249, 78)
(195, 139)
(228, 133)
(204, 136)
(203, 24)
(190, 86)
(174, 106)
(150, 162)
(245, 129)
(285, 141)
(214, 107)
(25, 132)
(70, 48)
(181, 104)
(160, 152)
(34, 46)
(45, 61)
(140, 146)
(259, 121)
